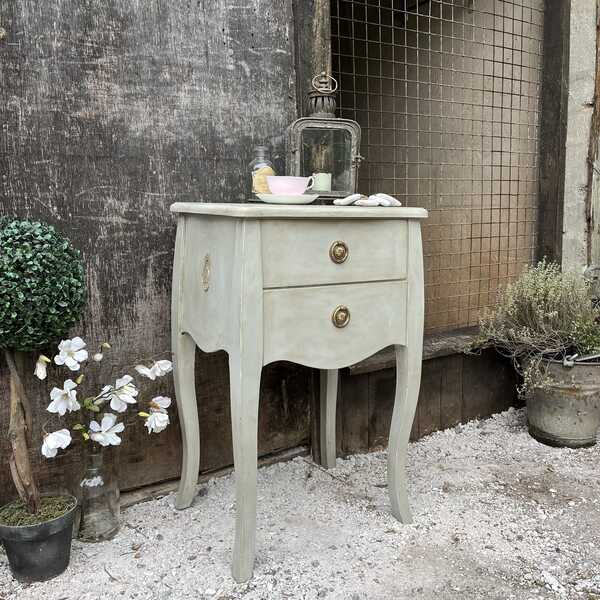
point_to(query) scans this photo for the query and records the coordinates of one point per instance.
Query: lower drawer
(301, 324)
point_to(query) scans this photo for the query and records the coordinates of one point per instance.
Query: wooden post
(19, 432)
(593, 188)
(321, 54)
(580, 109)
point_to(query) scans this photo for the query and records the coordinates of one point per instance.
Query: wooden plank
(553, 127)
(382, 386)
(284, 417)
(429, 406)
(354, 406)
(488, 385)
(303, 24)
(451, 391)
(593, 190)
(321, 37)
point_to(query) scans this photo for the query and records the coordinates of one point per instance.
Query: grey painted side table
(323, 286)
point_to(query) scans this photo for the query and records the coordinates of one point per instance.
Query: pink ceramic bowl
(292, 186)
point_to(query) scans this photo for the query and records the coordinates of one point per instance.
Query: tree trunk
(19, 434)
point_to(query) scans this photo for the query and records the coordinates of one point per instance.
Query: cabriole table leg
(244, 379)
(328, 401)
(408, 378)
(184, 354)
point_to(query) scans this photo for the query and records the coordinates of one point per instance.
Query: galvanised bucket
(567, 412)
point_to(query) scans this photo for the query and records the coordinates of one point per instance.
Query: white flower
(105, 432)
(160, 403)
(54, 441)
(41, 367)
(158, 369)
(162, 367)
(122, 394)
(64, 400)
(145, 371)
(98, 357)
(158, 419)
(71, 353)
(157, 422)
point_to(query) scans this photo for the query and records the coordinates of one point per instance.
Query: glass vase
(99, 496)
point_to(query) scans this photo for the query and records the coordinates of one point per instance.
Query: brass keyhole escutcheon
(206, 273)
(338, 252)
(341, 316)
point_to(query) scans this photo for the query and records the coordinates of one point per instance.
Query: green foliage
(42, 285)
(544, 313)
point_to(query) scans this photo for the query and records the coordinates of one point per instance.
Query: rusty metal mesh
(447, 94)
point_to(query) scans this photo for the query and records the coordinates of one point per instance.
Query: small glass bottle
(261, 168)
(99, 498)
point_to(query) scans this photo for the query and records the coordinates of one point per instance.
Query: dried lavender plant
(544, 314)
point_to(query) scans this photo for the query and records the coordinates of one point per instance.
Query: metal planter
(567, 412)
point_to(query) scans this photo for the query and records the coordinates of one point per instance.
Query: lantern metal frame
(321, 108)
(294, 150)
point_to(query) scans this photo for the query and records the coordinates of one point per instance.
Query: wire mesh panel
(447, 94)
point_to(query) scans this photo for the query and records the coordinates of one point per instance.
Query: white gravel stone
(496, 516)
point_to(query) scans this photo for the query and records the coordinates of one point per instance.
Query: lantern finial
(321, 99)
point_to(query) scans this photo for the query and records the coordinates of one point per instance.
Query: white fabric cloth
(373, 200)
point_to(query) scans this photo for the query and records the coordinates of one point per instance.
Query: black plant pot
(39, 552)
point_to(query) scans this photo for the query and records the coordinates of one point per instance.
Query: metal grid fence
(447, 94)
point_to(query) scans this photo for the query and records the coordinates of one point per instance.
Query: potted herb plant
(547, 323)
(42, 294)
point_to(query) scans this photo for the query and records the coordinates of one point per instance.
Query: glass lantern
(324, 146)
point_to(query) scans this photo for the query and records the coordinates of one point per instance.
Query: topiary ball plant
(42, 294)
(42, 285)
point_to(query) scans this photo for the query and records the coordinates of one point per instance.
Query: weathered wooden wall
(110, 111)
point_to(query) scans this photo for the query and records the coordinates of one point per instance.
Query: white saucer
(287, 198)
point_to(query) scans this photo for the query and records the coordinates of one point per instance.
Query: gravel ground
(497, 516)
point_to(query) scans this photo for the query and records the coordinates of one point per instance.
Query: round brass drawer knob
(341, 316)
(338, 252)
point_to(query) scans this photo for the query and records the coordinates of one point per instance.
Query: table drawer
(301, 324)
(303, 252)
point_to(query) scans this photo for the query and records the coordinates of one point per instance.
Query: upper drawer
(299, 252)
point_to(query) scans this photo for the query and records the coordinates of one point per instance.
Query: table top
(303, 211)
